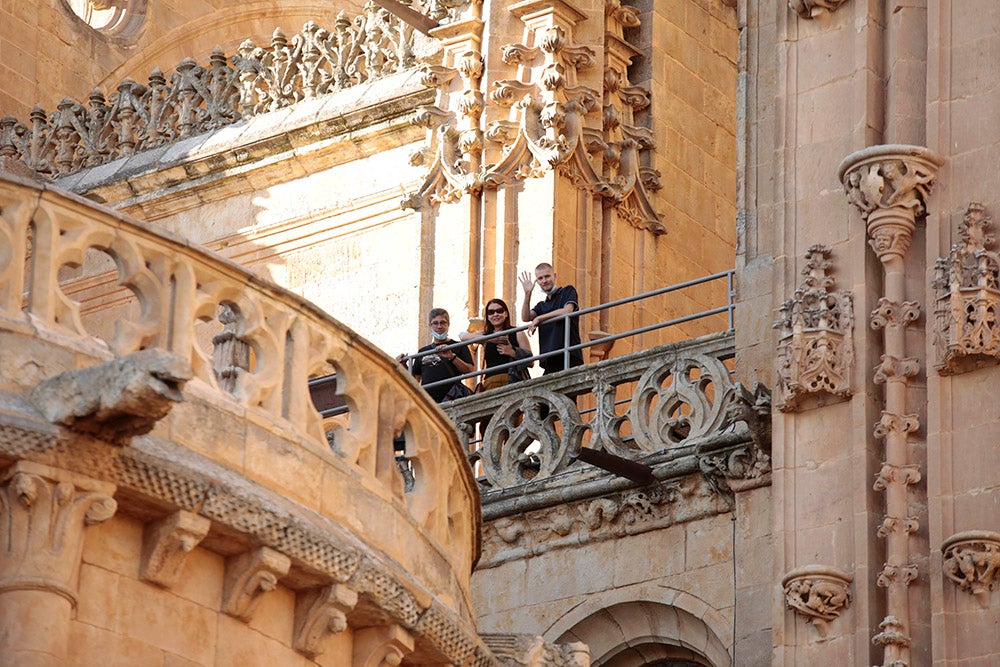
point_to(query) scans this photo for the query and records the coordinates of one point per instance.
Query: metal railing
(321, 384)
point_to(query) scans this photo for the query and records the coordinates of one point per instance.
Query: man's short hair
(543, 265)
(438, 312)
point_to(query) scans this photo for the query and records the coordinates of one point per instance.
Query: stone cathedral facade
(206, 205)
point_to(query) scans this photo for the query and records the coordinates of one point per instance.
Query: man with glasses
(433, 364)
(558, 301)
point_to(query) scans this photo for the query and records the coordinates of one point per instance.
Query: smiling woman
(117, 18)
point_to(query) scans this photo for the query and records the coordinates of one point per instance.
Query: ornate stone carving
(196, 98)
(810, 9)
(381, 646)
(889, 185)
(972, 562)
(320, 612)
(117, 399)
(967, 281)
(819, 593)
(533, 651)
(816, 348)
(248, 576)
(166, 544)
(524, 442)
(43, 513)
(231, 354)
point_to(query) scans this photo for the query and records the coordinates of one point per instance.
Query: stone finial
(166, 544)
(889, 185)
(816, 349)
(819, 593)
(248, 576)
(117, 399)
(810, 9)
(972, 562)
(967, 281)
(318, 613)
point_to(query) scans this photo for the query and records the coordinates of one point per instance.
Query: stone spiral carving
(816, 349)
(967, 308)
(197, 98)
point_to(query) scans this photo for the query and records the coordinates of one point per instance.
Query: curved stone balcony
(243, 456)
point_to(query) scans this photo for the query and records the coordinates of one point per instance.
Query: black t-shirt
(552, 334)
(492, 356)
(433, 367)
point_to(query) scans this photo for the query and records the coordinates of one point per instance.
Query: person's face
(496, 314)
(545, 279)
(439, 325)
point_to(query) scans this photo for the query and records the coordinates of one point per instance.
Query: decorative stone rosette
(819, 593)
(972, 562)
(966, 327)
(816, 350)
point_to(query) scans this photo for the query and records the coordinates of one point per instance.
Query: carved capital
(318, 613)
(907, 475)
(972, 562)
(906, 525)
(249, 575)
(967, 330)
(816, 349)
(889, 185)
(890, 313)
(43, 513)
(890, 423)
(893, 369)
(810, 9)
(117, 399)
(819, 593)
(381, 646)
(892, 574)
(166, 544)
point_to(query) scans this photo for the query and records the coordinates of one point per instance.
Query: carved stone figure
(972, 562)
(819, 593)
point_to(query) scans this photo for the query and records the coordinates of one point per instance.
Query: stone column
(889, 185)
(43, 513)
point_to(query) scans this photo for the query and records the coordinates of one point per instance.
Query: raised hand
(527, 281)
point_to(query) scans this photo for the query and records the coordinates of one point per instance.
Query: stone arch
(669, 628)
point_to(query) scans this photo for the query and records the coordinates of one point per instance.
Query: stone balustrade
(665, 402)
(251, 348)
(199, 97)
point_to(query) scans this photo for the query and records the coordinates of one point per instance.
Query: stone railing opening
(95, 286)
(198, 97)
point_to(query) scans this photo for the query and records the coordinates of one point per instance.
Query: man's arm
(538, 319)
(528, 284)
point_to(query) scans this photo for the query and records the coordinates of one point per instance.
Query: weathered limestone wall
(963, 423)
(659, 592)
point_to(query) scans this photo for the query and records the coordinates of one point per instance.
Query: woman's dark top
(492, 356)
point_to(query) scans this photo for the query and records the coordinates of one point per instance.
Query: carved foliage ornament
(816, 348)
(972, 562)
(819, 593)
(198, 98)
(967, 281)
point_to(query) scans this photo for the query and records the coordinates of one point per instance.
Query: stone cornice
(153, 474)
